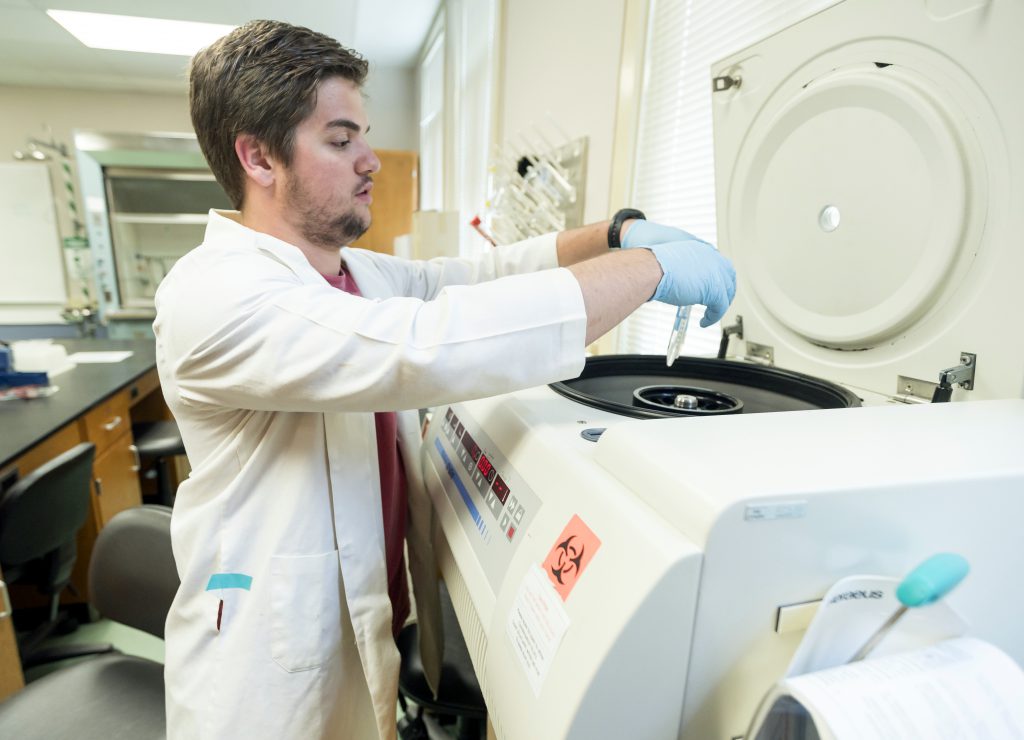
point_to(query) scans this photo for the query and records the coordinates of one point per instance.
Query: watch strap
(615, 227)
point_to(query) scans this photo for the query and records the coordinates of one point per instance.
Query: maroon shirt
(393, 492)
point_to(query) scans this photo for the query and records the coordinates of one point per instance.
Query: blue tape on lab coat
(229, 580)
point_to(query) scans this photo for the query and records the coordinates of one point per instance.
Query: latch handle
(727, 332)
(961, 375)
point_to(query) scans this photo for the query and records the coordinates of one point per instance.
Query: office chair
(459, 699)
(40, 516)
(159, 441)
(133, 580)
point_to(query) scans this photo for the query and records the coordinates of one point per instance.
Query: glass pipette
(675, 341)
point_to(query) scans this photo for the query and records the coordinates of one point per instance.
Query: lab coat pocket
(305, 610)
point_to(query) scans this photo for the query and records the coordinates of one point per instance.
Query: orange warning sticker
(569, 557)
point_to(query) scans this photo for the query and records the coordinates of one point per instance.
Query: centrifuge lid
(609, 382)
(868, 187)
(848, 205)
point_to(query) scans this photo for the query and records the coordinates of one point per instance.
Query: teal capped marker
(924, 585)
(932, 579)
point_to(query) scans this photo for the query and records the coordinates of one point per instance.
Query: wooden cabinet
(60, 441)
(395, 197)
(11, 678)
(115, 480)
(107, 422)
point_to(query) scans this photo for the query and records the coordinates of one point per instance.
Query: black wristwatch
(615, 228)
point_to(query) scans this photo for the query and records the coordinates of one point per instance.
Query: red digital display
(484, 466)
(500, 489)
(471, 446)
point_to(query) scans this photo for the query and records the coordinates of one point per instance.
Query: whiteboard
(31, 258)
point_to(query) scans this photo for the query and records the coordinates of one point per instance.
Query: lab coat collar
(225, 227)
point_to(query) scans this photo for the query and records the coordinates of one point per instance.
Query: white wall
(563, 58)
(391, 108)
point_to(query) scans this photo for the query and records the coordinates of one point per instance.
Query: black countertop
(25, 423)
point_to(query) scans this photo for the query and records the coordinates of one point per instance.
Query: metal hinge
(961, 375)
(763, 353)
(914, 390)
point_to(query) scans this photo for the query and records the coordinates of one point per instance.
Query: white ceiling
(36, 50)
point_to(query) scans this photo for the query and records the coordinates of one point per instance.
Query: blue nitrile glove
(645, 233)
(695, 273)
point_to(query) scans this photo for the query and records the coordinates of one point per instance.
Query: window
(456, 89)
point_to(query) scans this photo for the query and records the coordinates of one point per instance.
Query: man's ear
(258, 164)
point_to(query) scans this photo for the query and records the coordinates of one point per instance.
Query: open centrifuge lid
(863, 174)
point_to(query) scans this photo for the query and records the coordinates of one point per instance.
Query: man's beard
(320, 228)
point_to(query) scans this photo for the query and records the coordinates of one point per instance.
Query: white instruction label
(536, 625)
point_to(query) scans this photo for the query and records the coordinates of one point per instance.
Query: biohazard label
(570, 556)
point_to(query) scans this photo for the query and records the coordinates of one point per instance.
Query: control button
(519, 514)
(511, 533)
(505, 520)
(513, 503)
(449, 414)
(481, 484)
(491, 475)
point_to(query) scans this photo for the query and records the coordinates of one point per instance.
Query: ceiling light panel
(133, 33)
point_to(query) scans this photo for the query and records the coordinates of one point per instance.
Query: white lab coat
(273, 375)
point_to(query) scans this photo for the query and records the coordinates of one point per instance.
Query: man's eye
(341, 144)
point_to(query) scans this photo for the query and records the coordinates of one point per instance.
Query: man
(288, 362)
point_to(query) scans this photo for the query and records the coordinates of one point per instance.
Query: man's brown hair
(261, 79)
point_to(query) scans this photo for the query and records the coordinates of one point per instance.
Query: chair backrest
(132, 576)
(41, 513)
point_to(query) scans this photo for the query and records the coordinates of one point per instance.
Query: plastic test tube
(675, 341)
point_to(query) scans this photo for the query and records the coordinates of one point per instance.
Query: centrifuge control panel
(494, 505)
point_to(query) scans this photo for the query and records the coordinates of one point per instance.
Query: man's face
(326, 188)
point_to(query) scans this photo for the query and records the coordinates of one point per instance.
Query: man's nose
(369, 164)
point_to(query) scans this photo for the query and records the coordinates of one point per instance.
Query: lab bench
(95, 403)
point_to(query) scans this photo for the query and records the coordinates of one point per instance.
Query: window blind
(475, 24)
(674, 171)
(431, 81)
